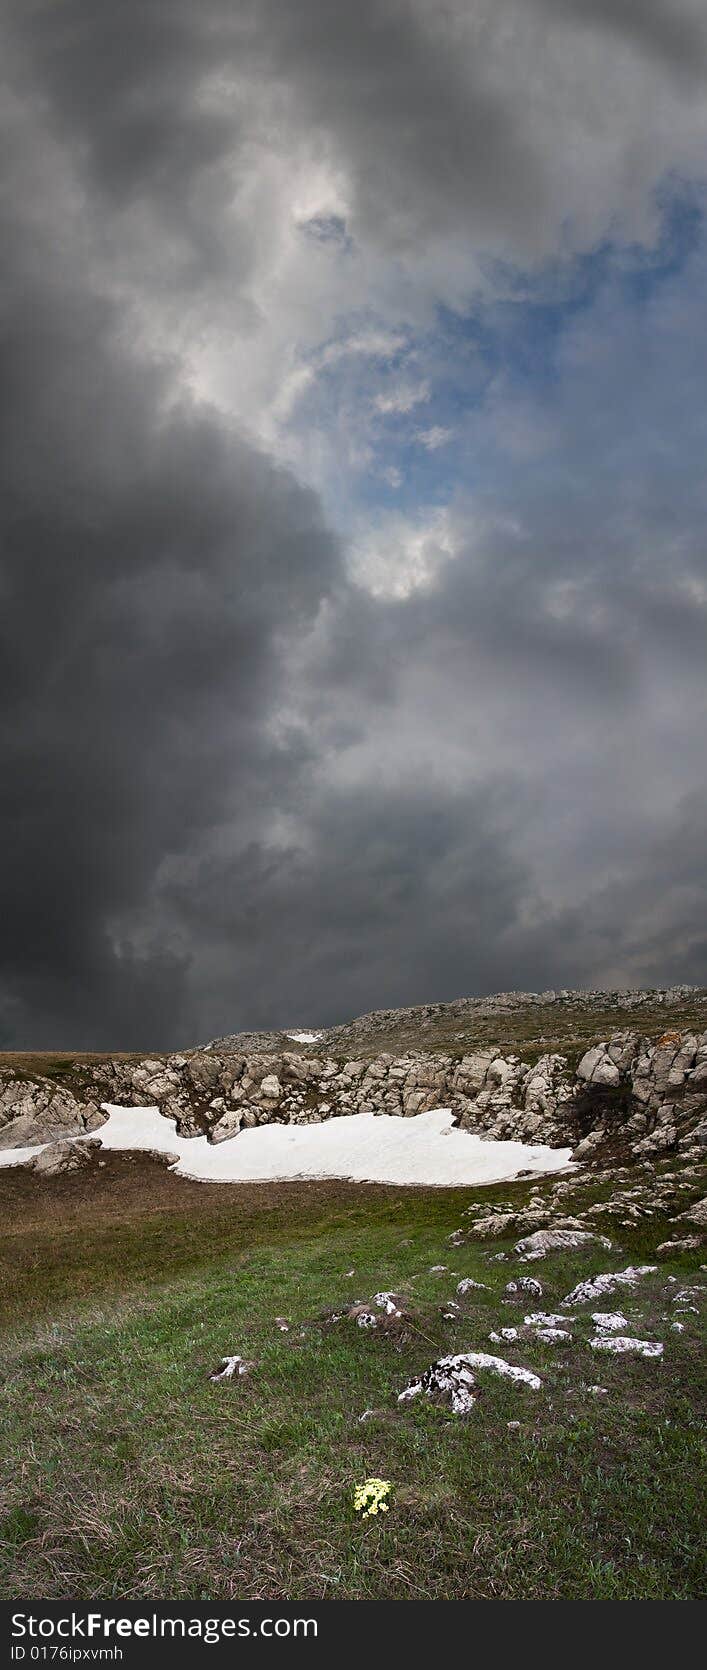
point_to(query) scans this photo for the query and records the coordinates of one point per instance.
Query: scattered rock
(545, 1319)
(231, 1368)
(523, 1284)
(622, 1344)
(595, 1287)
(697, 1214)
(491, 1228)
(609, 1321)
(596, 1067)
(451, 1379)
(556, 1240)
(363, 1318)
(381, 1311)
(227, 1126)
(62, 1157)
(391, 1303)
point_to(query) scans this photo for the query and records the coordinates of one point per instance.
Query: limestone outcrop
(628, 1097)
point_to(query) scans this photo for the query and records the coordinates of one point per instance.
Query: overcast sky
(353, 596)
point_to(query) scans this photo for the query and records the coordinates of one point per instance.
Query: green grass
(530, 1032)
(133, 1475)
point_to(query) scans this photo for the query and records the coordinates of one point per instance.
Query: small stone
(624, 1345)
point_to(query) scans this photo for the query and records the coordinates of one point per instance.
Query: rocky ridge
(629, 1098)
(503, 1018)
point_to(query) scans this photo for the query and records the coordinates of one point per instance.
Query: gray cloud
(239, 789)
(673, 34)
(446, 121)
(156, 567)
(400, 891)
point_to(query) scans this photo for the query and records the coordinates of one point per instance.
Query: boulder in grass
(523, 1285)
(493, 1227)
(452, 1380)
(59, 1158)
(557, 1240)
(688, 1243)
(231, 1368)
(597, 1287)
(623, 1345)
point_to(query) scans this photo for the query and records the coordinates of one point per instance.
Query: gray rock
(227, 1126)
(697, 1214)
(556, 1240)
(61, 1157)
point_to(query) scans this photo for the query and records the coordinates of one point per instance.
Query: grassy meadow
(129, 1473)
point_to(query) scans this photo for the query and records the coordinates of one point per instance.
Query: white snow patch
(595, 1287)
(362, 1147)
(621, 1343)
(20, 1156)
(304, 1037)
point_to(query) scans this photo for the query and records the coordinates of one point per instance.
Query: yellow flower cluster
(370, 1497)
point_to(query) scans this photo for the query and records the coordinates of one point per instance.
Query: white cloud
(434, 438)
(400, 555)
(402, 400)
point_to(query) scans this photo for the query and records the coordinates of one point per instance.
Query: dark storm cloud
(427, 108)
(432, 112)
(659, 27)
(154, 565)
(400, 890)
(391, 95)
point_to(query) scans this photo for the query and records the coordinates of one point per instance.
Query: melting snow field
(425, 1149)
(19, 1156)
